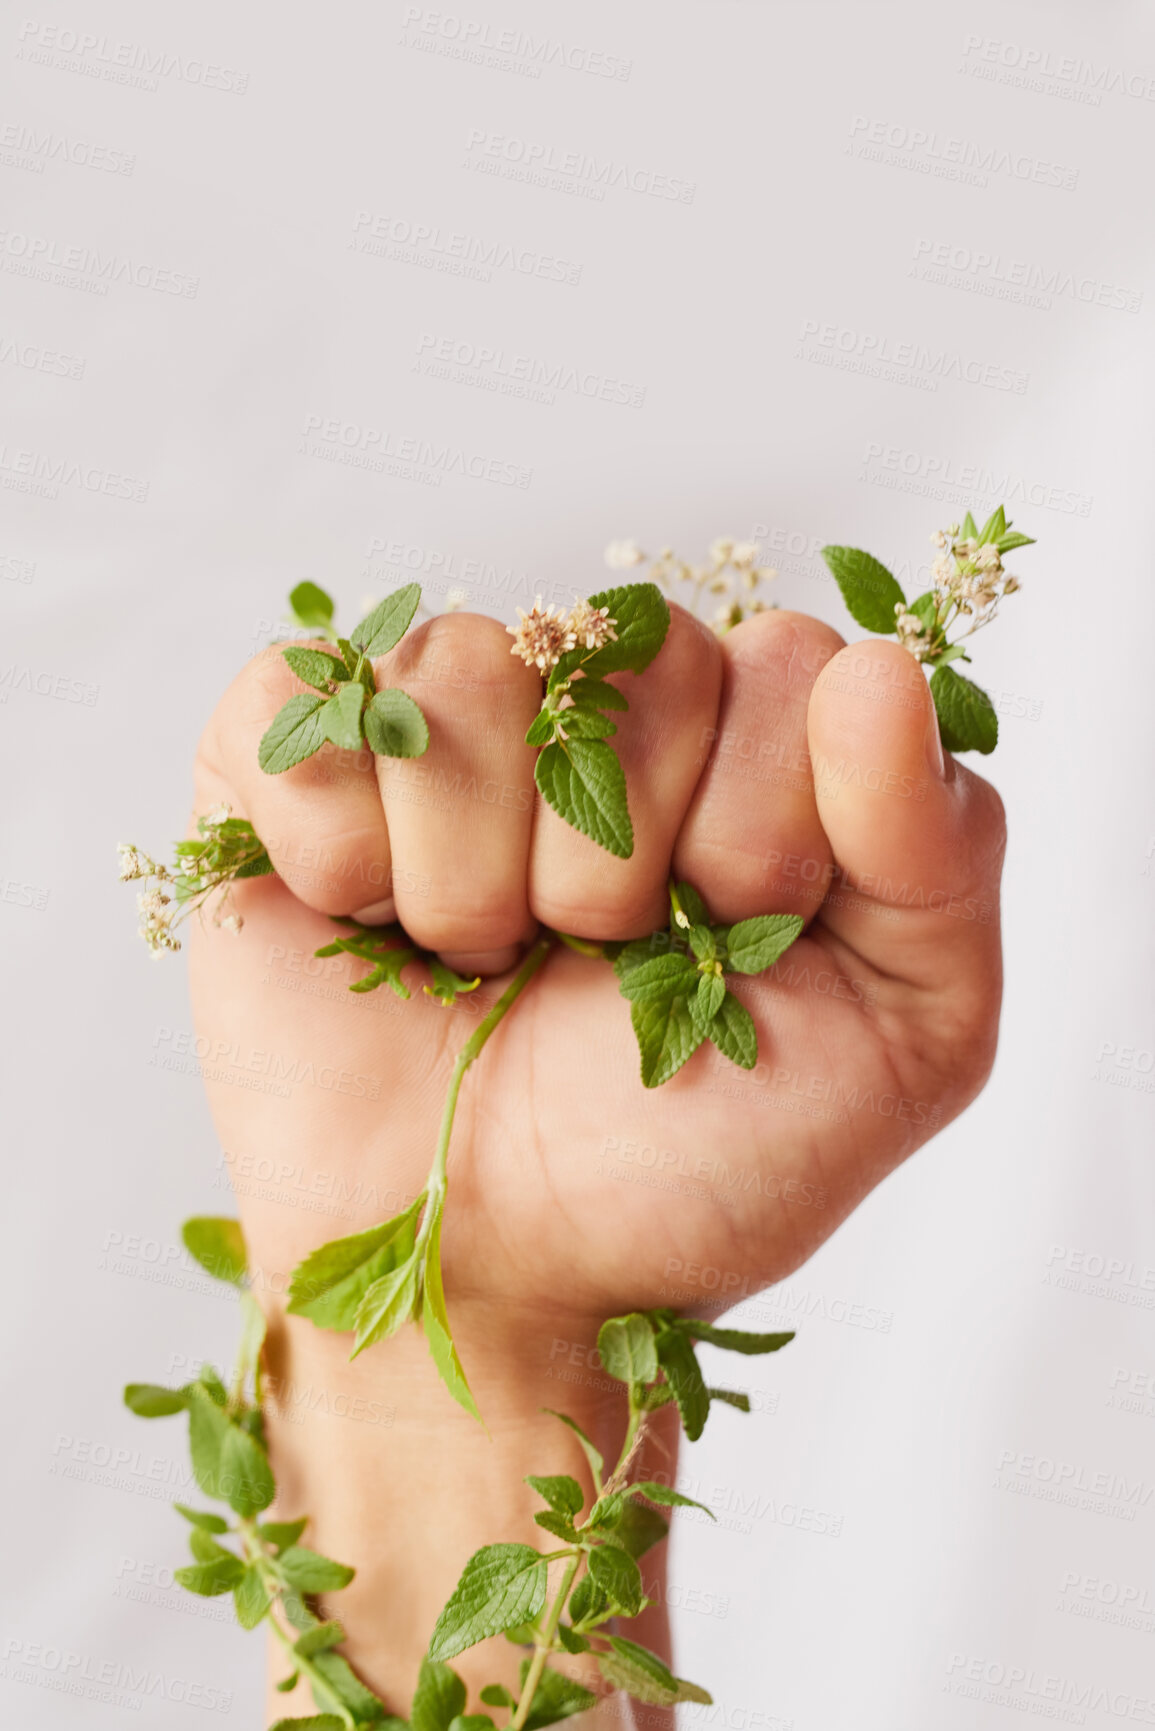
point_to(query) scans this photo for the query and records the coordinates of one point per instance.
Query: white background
(956, 1359)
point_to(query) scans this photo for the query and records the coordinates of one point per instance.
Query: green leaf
(210, 1580)
(587, 1604)
(330, 1284)
(707, 1001)
(966, 715)
(626, 1346)
(471, 1722)
(341, 715)
(615, 1572)
(149, 1400)
(639, 1672)
(447, 985)
(319, 1640)
(440, 1697)
(925, 608)
(285, 1687)
(734, 1033)
(703, 942)
(559, 1525)
(595, 694)
(677, 1359)
(227, 1461)
(500, 1586)
(351, 655)
(666, 1037)
(205, 1548)
(210, 1381)
(312, 608)
(218, 1245)
(593, 1455)
(394, 725)
(868, 589)
(387, 1305)
(383, 628)
(953, 652)
(668, 1498)
(315, 666)
(571, 1640)
(295, 734)
(637, 1528)
(310, 1572)
(1007, 543)
(207, 1523)
(250, 1598)
(542, 728)
(555, 1698)
(967, 530)
(561, 1492)
(497, 1695)
(732, 1339)
(641, 621)
(314, 1722)
(585, 784)
(348, 1690)
(282, 1533)
(730, 1397)
(994, 527)
(657, 978)
(755, 945)
(435, 1321)
(692, 906)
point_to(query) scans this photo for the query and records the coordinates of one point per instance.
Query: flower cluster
(969, 582)
(228, 849)
(545, 634)
(732, 573)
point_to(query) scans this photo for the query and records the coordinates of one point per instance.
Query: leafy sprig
(675, 982)
(228, 850)
(344, 704)
(577, 771)
(969, 583)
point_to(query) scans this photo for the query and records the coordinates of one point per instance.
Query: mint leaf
(386, 1306)
(639, 1672)
(201, 1518)
(659, 1010)
(755, 945)
(440, 1697)
(994, 527)
(149, 1400)
(218, 1245)
(329, 1285)
(559, 1525)
(925, 608)
(435, 1320)
(967, 530)
(555, 1698)
(542, 728)
(732, 1339)
(497, 1695)
(642, 620)
(656, 978)
(677, 1359)
(966, 715)
(315, 666)
(562, 1493)
(707, 1001)
(349, 1692)
(500, 1587)
(205, 1548)
(447, 985)
(617, 1575)
(319, 1640)
(669, 1499)
(730, 1397)
(593, 1455)
(384, 628)
(282, 1533)
(310, 1572)
(314, 1722)
(210, 1580)
(734, 1033)
(471, 1722)
(250, 1598)
(585, 784)
(691, 905)
(227, 1462)
(284, 1687)
(626, 1346)
(341, 715)
(1007, 543)
(312, 608)
(586, 724)
(295, 734)
(638, 1528)
(868, 589)
(594, 694)
(394, 725)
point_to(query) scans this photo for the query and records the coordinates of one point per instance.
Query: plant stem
(471, 1049)
(544, 1646)
(257, 1553)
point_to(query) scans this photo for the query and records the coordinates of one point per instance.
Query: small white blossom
(543, 636)
(455, 600)
(592, 627)
(621, 555)
(744, 554)
(721, 550)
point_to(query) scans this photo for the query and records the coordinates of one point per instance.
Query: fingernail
(377, 913)
(935, 756)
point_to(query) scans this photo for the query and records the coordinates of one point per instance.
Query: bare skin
(778, 772)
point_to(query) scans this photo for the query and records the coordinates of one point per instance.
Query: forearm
(405, 1486)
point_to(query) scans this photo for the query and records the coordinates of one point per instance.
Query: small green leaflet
(250, 1600)
(638, 1528)
(501, 1586)
(966, 715)
(642, 619)
(227, 1461)
(447, 985)
(329, 1285)
(615, 1572)
(734, 1033)
(754, 945)
(562, 1493)
(282, 1533)
(295, 734)
(386, 1305)
(377, 945)
(644, 1676)
(869, 590)
(210, 1580)
(315, 666)
(394, 725)
(585, 784)
(314, 1722)
(149, 1400)
(677, 1359)
(439, 1698)
(626, 1347)
(218, 1245)
(384, 628)
(668, 1498)
(319, 1640)
(435, 1320)
(341, 715)
(208, 1523)
(310, 1572)
(312, 609)
(555, 1698)
(593, 1455)
(732, 1339)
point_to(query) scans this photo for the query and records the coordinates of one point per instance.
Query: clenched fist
(775, 770)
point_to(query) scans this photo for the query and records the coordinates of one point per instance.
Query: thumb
(918, 839)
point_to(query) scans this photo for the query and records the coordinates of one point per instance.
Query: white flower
(939, 539)
(721, 550)
(543, 636)
(455, 599)
(621, 555)
(592, 627)
(218, 815)
(744, 554)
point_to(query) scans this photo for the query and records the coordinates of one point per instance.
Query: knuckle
(793, 642)
(464, 650)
